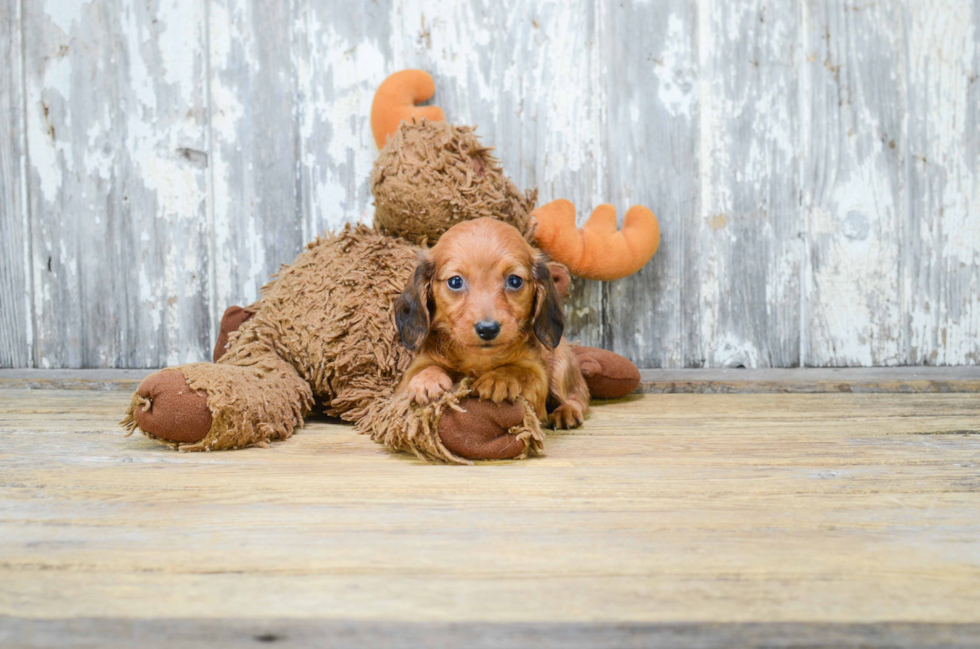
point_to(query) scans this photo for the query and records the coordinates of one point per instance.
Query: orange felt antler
(598, 250)
(395, 99)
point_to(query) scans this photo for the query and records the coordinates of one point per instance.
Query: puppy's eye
(455, 282)
(514, 282)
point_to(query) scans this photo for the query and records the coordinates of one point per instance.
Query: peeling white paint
(733, 351)
(64, 15)
(49, 99)
(672, 69)
(337, 149)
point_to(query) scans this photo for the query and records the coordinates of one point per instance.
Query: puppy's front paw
(497, 386)
(567, 415)
(428, 385)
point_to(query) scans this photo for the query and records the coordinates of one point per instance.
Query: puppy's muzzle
(487, 329)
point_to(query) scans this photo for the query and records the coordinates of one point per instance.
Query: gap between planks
(653, 381)
(342, 634)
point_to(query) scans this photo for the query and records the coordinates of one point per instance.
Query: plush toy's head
(432, 175)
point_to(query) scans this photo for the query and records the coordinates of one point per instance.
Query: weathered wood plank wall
(117, 193)
(16, 324)
(815, 164)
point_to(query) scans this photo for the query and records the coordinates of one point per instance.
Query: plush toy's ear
(412, 307)
(549, 320)
(561, 278)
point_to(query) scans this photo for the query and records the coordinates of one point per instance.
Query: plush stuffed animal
(323, 331)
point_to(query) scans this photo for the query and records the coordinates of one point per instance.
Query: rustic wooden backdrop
(815, 164)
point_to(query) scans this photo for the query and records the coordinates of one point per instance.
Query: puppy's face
(482, 288)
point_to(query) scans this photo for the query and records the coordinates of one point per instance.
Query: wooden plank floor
(766, 515)
(656, 381)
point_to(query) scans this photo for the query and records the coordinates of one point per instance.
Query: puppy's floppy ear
(412, 306)
(549, 320)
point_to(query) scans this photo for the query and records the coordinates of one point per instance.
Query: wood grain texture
(338, 52)
(651, 151)
(16, 323)
(815, 165)
(941, 262)
(255, 144)
(748, 230)
(854, 80)
(116, 132)
(819, 509)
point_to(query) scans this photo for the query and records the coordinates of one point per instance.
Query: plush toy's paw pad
(567, 415)
(428, 385)
(589, 368)
(480, 430)
(497, 386)
(173, 411)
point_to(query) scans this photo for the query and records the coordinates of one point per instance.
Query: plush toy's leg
(233, 318)
(456, 428)
(608, 375)
(213, 406)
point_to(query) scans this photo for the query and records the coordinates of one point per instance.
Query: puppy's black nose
(487, 329)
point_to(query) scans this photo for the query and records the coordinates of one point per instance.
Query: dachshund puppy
(482, 304)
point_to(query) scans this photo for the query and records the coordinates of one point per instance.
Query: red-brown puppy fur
(482, 272)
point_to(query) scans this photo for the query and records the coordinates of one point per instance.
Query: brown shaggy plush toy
(323, 331)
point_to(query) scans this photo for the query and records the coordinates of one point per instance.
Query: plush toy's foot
(170, 410)
(455, 428)
(608, 375)
(481, 430)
